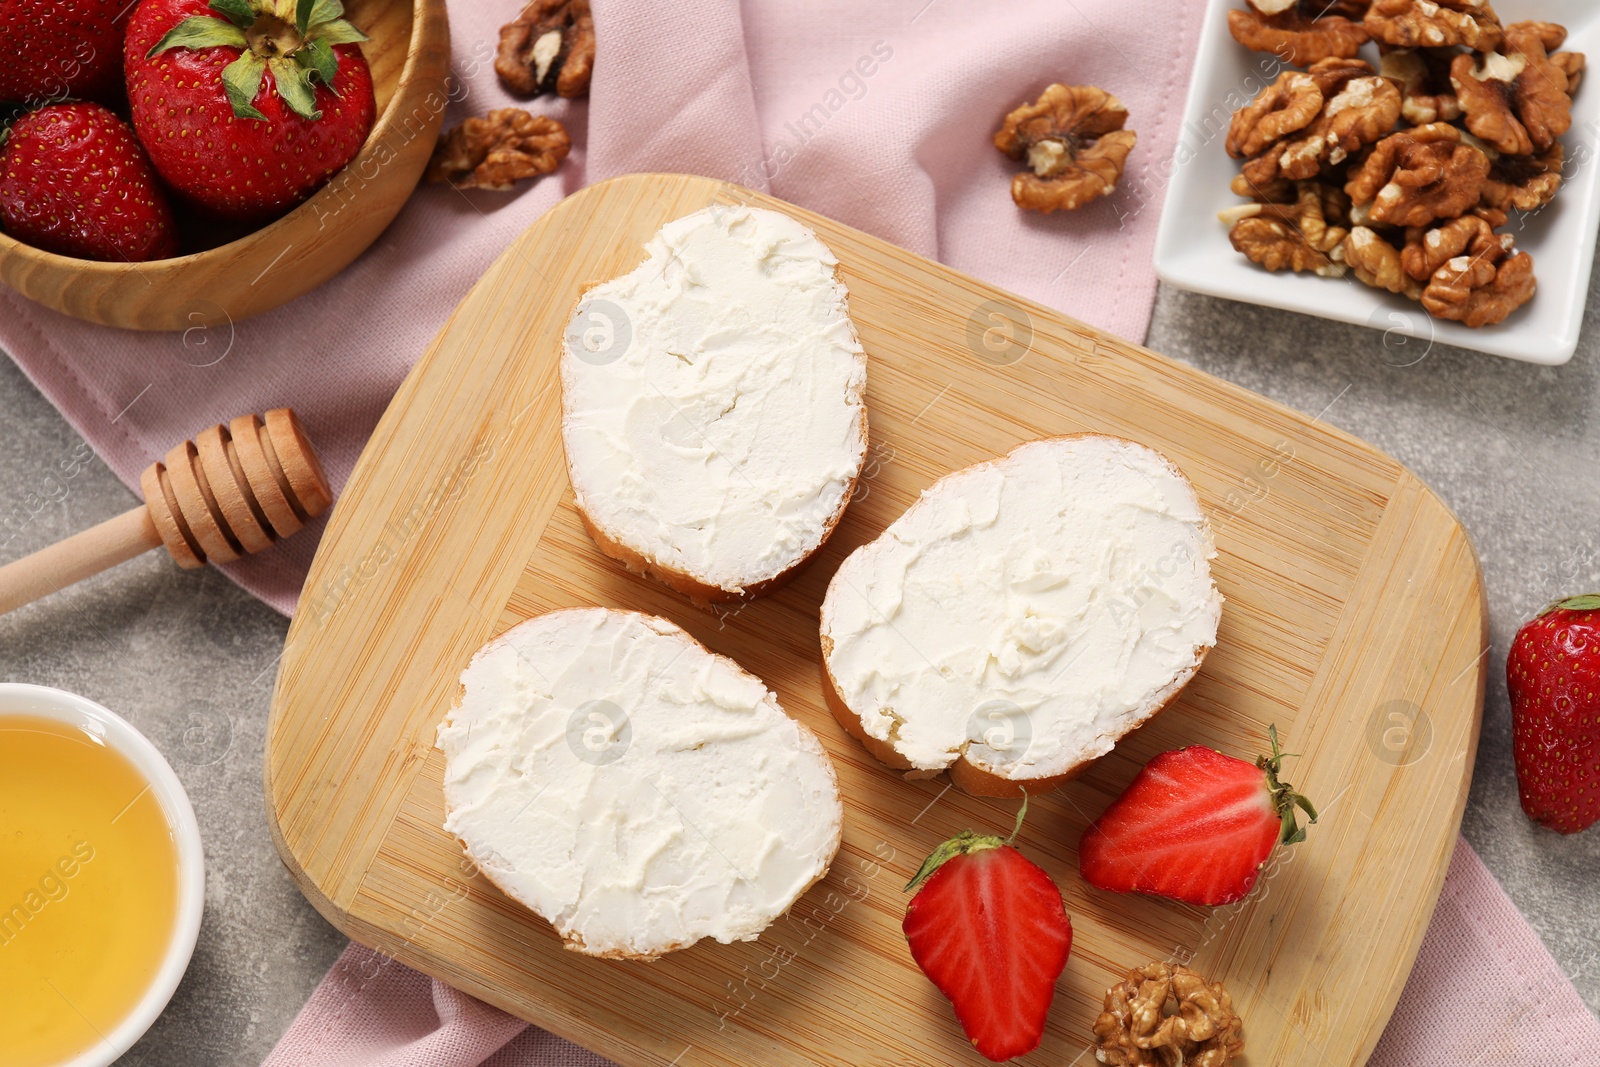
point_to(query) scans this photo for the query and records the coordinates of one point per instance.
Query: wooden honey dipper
(233, 490)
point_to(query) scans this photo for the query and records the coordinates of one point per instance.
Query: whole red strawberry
(54, 49)
(73, 180)
(247, 107)
(988, 927)
(1553, 674)
(1194, 825)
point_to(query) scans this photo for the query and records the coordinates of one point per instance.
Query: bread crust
(575, 943)
(966, 774)
(702, 594)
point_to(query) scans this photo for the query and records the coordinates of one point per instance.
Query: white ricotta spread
(1026, 612)
(714, 418)
(633, 788)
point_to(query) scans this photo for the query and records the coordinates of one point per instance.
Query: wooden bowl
(409, 53)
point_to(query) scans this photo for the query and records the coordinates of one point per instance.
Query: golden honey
(88, 890)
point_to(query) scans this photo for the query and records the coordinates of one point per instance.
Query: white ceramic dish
(44, 702)
(1192, 249)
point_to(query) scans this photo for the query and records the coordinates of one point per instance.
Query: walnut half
(498, 149)
(1434, 23)
(1304, 124)
(1415, 176)
(1377, 263)
(1423, 76)
(1516, 99)
(1164, 1016)
(1481, 288)
(1073, 141)
(1302, 33)
(1287, 106)
(548, 48)
(1526, 183)
(1301, 235)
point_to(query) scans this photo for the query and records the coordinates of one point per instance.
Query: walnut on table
(1434, 23)
(1303, 32)
(1515, 99)
(1073, 140)
(1165, 1016)
(548, 48)
(494, 151)
(1415, 176)
(1423, 77)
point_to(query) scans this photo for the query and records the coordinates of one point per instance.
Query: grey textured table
(1514, 449)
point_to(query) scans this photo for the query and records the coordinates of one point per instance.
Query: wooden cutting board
(1354, 621)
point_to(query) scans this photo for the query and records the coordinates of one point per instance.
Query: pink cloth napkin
(878, 115)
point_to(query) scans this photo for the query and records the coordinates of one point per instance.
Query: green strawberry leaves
(295, 53)
(317, 58)
(238, 12)
(337, 31)
(1587, 602)
(1284, 798)
(294, 86)
(241, 80)
(964, 844)
(323, 20)
(201, 31)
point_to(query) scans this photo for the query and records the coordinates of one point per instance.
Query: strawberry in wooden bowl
(271, 200)
(55, 51)
(246, 110)
(53, 168)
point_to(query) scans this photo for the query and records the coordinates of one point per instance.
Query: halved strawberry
(1194, 825)
(989, 928)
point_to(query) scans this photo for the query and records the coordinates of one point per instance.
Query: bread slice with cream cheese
(1023, 615)
(607, 771)
(713, 411)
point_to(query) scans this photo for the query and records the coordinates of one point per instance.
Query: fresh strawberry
(55, 49)
(1553, 674)
(1194, 825)
(74, 181)
(988, 927)
(249, 113)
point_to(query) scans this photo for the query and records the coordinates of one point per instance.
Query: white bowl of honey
(102, 880)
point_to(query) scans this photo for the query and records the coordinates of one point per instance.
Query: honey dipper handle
(90, 552)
